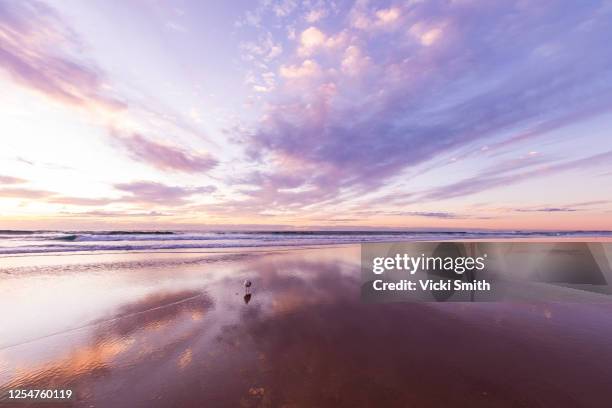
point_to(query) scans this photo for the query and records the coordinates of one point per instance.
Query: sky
(456, 114)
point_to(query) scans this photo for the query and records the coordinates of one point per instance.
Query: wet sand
(161, 330)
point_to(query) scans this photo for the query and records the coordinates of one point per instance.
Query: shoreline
(297, 246)
(184, 333)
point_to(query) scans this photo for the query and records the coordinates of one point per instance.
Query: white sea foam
(20, 242)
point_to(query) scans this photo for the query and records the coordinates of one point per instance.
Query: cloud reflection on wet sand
(305, 339)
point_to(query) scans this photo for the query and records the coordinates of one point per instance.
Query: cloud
(80, 201)
(52, 197)
(175, 26)
(40, 52)
(429, 214)
(284, 8)
(311, 39)
(157, 193)
(473, 76)
(388, 16)
(35, 50)
(48, 196)
(264, 49)
(488, 179)
(138, 192)
(11, 180)
(363, 18)
(165, 157)
(426, 35)
(308, 68)
(23, 193)
(115, 214)
(547, 209)
(353, 61)
(315, 15)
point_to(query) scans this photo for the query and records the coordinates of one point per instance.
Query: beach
(305, 204)
(158, 329)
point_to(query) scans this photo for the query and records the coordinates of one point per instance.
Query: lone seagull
(247, 291)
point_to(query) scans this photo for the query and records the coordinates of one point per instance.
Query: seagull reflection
(247, 291)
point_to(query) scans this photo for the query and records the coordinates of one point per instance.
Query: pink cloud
(34, 52)
(51, 197)
(310, 40)
(354, 61)
(166, 157)
(315, 15)
(434, 87)
(11, 180)
(362, 18)
(158, 193)
(308, 68)
(505, 176)
(23, 193)
(80, 201)
(138, 192)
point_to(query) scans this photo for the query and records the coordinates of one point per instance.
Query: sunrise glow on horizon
(278, 114)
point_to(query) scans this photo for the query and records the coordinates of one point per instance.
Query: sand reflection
(304, 339)
(139, 333)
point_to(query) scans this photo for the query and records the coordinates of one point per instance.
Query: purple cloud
(157, 193)
(11, 180)
(166, 157)
(138, 192)
(427, 214)
(35, 51)
(547, 209)
(572, 207)
(488, 179)
(50, 196)
(24, 193)
(115, 214)
(466, 73)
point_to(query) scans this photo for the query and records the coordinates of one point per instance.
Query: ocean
(33, 242)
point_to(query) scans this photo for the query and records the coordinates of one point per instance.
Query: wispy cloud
(165, 156)
(80, 201)
(51, 197)
(37, 49)
(12, 192)
(428, 214)
(488, 180)
(572, 207)
(11, 180)
(139, 193)
(547, 209)
(115, 214)
(158, 193)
